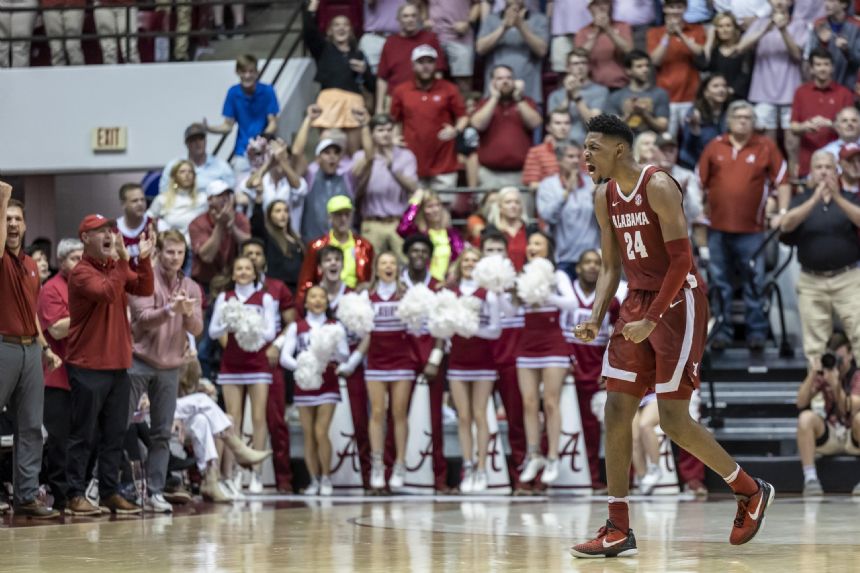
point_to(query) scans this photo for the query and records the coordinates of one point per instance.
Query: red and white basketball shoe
(750, 515)
(610, 542)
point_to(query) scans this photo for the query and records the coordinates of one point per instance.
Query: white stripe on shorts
(686, 345)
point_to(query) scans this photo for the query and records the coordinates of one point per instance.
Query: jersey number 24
(635, 245)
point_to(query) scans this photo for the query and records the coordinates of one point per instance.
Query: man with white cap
(217, 234)
(326, 178)
(431, 113)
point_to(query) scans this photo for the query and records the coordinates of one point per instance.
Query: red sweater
(99, 333)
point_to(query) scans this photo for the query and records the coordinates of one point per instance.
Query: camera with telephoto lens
(829, 361)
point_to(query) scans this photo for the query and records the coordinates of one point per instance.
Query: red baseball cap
(92, 222)
(848, 151)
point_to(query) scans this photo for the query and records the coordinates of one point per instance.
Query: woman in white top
(180, 203)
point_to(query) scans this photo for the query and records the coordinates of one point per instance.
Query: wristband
(436, 357)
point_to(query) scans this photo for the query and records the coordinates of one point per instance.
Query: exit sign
(109, 138)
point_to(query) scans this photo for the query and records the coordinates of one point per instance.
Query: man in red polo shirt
(739, 170)
(53, 312)
(21, 348)
(99, 356)
(506, 120)
(431, 113)
(395, 66)
(815, 106)
(541, 160)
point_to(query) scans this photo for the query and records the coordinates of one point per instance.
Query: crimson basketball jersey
(639, 235)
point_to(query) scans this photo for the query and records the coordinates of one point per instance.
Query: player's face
(601, 153)
(331, 267)
(537, 247)
(468, 262)
(419, 257)
(589, 267)
(316, 300)
(243, 271)
(386, 267)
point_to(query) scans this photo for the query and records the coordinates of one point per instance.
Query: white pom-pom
(308, 372)
(232, 313)
(468, 316)
(249, 331)
(444, 320)
(495, 273)
(415, 306)
(324, 341)
(356, 313)
(536, 282)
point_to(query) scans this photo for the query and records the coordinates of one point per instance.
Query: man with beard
(134, 220)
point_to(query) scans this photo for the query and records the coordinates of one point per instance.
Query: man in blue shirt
(250, 104)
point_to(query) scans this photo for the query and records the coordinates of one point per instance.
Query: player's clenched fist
(586, 331)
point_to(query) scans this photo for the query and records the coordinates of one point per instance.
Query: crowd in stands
(751, 106)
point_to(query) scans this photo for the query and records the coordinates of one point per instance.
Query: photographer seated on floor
(829, 405)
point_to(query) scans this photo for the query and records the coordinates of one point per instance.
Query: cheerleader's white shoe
(377, 475)
(533, 466)
(398, 476)
(326, 488)
(550, 471)
(313, 488)
(256, 485)
(479, 481)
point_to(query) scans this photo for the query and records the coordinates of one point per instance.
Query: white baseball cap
(424, 51)
(217, 187)
(325, 144)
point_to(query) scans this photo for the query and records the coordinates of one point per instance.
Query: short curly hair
(611, 125)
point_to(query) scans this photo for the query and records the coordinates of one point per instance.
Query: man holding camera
(829, 405)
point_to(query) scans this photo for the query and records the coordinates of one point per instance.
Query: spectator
(357, 251)
(509, 217)
(466, 145)
(427, 215)
(839, 34)
(217, 234)
(606, 42)
(836, 429)
(275, 179)
(99, 356)
(452, 21)
(116, 22)
(160, 327)
(182, 201)
(63, 18)
(386, 175)
(849, 162)
(675, 49)
(395, 67)
(250, 104)
(182, 16)
(432, 114)
(53, 313)
(380, 21)
(238, 12)
(282, 246)
(506, 121)
(22, 346)
(642, 105)
(16, 25)
(206, 168)
(134, 221)
(326, 177)
(822, 222)
(706, 119)
(542, 160)
(517, 39)
(699, 11)
(847, 127)
(777, 42)
(566, 202)
(815, 106)
(477, 221)
(583, 98)
(691, 189)
(566, 19)
(641, 16)
(645, 150)
(43, 265)
(737, 171)
(723, 57)
(343, 72)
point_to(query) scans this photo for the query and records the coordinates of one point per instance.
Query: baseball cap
(93, 222)
(194, 130)
(665, 139)
(424, 51)
(217, 187)
(339, 203)
(848, 151)
(325, 144)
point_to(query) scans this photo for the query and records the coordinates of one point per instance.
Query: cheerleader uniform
(423, 342)
(297, 340)
(237, 365)
(471, 359)
(389, 358)
(542, 343)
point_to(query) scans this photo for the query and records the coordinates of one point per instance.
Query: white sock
(809, 474)
(651, 467)
(619, 500)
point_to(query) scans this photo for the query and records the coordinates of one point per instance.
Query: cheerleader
(245, 372)
(316, 407)
(471, 373)
(389, 372)
(544, 356)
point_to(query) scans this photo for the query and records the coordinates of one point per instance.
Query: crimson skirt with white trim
(328, 393)
(388, 375)
(244, 378)
(469, 375)
(543, 362)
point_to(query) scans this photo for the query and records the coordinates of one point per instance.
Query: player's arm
(610, 268)
(665, 199)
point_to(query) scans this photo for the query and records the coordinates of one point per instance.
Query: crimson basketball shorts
(668, 360)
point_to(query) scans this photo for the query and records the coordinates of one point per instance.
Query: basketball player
(660, 336)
